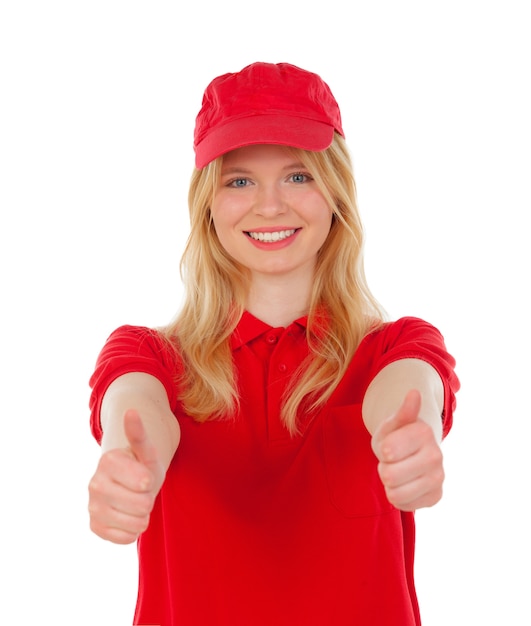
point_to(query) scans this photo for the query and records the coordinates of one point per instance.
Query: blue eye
(238, 182)
(299, 177)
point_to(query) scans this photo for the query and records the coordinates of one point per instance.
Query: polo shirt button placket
(277, 381)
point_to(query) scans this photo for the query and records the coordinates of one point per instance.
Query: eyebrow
(296, 165)
(234, 170)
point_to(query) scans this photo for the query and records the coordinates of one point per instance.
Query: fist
(410, 458)
(123, 489)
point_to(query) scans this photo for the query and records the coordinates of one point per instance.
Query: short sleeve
(131, 349)
(411, 337)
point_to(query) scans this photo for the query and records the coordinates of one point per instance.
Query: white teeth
(275, 236)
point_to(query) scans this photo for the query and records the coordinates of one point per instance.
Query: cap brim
(282, 130)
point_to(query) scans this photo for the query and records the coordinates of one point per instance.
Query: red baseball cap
(265, 103)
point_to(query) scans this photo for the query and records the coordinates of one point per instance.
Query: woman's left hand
(411, 461)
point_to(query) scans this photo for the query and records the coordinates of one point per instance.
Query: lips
(273, 236)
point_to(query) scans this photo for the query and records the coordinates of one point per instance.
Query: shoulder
(136, 349)
(412, 337)
(133, 334)
(405, 329)
(138, 340)
(133, 349)
(407, 337)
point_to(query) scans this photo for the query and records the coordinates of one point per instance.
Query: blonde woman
(268, 448)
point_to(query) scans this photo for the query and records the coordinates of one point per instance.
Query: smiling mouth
(277, 235)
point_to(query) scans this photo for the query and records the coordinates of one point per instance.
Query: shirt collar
(250, 327)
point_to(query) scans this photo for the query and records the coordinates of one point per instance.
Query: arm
(402, 410)
(140, 437)
(389, 387)
(147, 395)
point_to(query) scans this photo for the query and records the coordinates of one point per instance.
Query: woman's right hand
(123, 489)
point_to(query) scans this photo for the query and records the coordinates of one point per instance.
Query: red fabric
(265, 103)
(254, 528)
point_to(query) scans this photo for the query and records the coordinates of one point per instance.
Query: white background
(97, 106)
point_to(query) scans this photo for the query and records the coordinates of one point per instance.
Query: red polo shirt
(255, 528)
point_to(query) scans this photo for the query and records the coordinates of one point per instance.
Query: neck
(277, 301)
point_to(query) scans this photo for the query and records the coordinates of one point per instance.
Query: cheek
(323, 218)
(219, 218)
(220, 231)
(325, 225)
(223, 227)
(227, 213)
(317, 209)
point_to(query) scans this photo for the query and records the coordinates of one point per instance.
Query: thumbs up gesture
(123, 489)
(411, 462)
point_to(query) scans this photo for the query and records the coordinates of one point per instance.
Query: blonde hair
(341, 312)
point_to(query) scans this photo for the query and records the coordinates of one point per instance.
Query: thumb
(139, 443)
(407, 413)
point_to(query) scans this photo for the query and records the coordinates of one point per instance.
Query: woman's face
(268, 212)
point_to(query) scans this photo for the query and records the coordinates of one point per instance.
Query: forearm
(147, 395)
(388, 389)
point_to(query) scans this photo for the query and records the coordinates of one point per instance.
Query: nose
(269, 202)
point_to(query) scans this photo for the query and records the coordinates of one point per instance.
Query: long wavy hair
(341, 311)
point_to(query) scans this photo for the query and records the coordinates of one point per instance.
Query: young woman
(269, 447)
